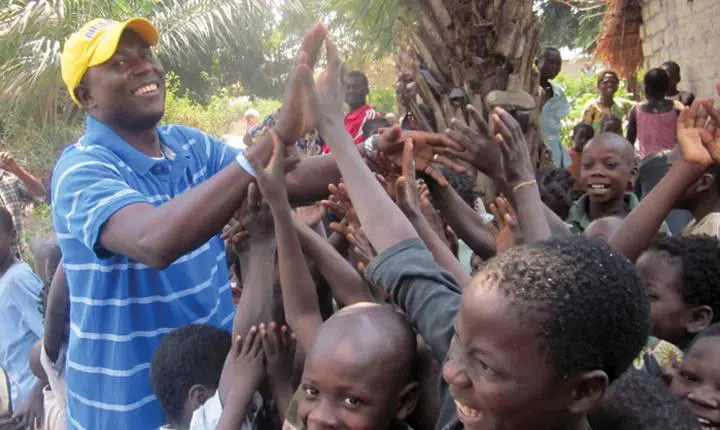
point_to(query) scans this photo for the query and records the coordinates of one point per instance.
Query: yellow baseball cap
(95, 43)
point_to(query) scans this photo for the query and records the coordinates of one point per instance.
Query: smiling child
(608, 166)
(698, 378)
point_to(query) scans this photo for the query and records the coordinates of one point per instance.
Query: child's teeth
(467, 411)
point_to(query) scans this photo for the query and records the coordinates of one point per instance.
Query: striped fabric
(121, 309)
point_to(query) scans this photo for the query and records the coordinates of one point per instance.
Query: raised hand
(328, 96)
(516, 156)
(244, 366)
(429, 148)
(311, 214)
(481, 149)
(713, 127)
(298, 116)
(505, 227)
(433, 217)
(339, 202)
(360, 247)
(406, 190)
(7, 161)
(695, 133)
(253, 221)
(271, 179)
(279, 346)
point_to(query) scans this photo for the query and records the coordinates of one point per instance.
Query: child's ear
(198, 395)
(706, 182)
(589, 389)
(407, 400)
(700, 317)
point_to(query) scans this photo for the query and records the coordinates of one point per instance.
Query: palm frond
(32, 33)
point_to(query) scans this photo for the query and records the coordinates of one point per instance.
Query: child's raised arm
(298, 288)
(486, 154)
(347, 285)
(256, 300)
(382, 221)
(695, 134)
(408, 201)
(242, 373)
(519, 170)
(464, 220)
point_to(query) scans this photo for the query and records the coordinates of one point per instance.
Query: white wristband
(245, 164)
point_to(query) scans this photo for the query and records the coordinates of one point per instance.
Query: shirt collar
(100, 134)
(579, 213)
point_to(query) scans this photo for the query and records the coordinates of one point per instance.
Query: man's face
(128, 90)
(550, 65)
(356, 93)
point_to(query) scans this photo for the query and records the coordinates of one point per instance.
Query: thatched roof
(619, 44)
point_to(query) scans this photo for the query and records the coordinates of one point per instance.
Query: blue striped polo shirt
(120, 309)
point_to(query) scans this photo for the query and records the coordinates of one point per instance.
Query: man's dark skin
(357, 92)
(549, 66)
(157, 236)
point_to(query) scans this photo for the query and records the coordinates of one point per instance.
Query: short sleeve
(88, 189)
(219, 155)
(24, 289)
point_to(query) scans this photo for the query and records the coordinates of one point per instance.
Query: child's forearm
(530, 212)
(257, 294)
(34, 187)
(383, 222)
(282, 392)
(56, 314)
(235, 407)
(463, 219)
(558, 227)
(439, 250)
(346, 284)
(642, 224)
(298, 288)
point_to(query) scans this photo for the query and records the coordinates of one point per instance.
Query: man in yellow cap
(138, 209)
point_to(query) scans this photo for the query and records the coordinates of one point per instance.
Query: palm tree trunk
(475, 45)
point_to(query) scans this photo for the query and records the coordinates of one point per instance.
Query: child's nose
(322, 416)
(706, 396)
(454, 374)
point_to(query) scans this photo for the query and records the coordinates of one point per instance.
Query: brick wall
(687, 32)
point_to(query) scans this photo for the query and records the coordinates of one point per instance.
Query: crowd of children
(372, 293)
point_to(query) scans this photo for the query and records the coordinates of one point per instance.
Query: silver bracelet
(371, 145)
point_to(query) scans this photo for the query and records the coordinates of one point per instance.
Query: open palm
(694, 132)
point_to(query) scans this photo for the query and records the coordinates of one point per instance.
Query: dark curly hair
(700, 260)
(189, 355)
(556, 190)
(638, 401)
(588, 301)
(462, 184)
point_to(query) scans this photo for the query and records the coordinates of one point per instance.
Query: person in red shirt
(360, 112)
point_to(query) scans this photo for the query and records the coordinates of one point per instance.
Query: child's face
(496, 371)
(697, 381)
(346, 388)
(605, 170)
(669, 316)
